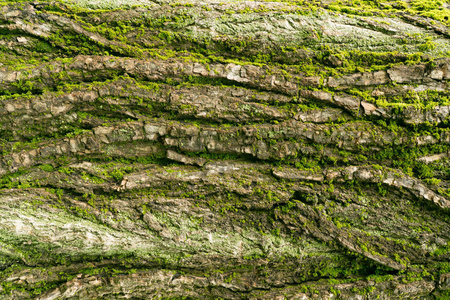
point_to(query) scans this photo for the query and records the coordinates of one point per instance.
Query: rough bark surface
(234, 150)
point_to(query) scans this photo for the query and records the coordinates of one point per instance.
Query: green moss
(273, 228)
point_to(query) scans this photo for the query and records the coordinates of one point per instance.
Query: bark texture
(234, 150)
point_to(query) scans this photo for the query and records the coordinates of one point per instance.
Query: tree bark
(236, 150)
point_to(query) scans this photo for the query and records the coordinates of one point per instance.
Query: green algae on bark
(234, 150)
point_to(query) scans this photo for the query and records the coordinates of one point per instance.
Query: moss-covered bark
(235, 150)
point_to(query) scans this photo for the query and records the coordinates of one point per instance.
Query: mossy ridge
(118, 28)
(130, 263)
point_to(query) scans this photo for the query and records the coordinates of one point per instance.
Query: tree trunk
(235, 150)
